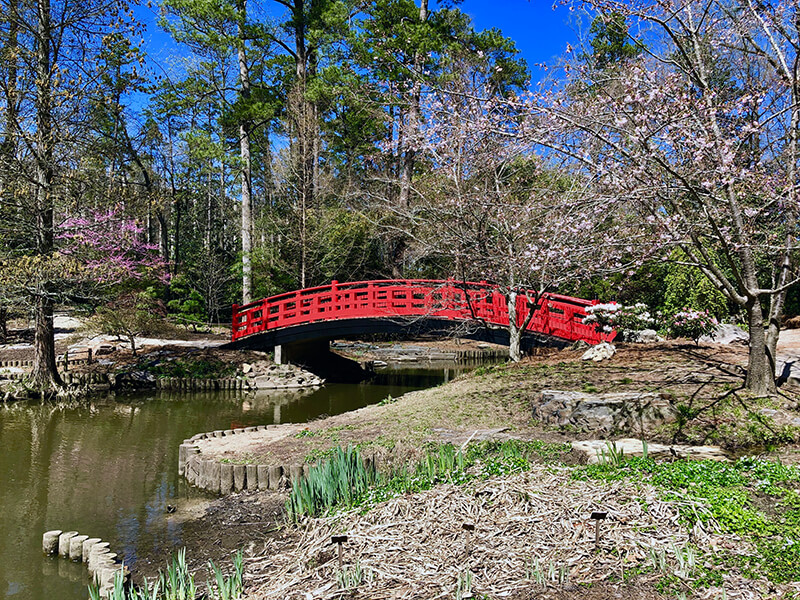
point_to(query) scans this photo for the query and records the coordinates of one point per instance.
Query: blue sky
(540, 31)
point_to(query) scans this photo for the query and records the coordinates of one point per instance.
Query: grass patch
(753, 498)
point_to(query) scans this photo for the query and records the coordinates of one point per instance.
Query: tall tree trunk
(209, 209)
(244, 151)
(412, 123)
(514, 330)
(10, 53)
(760, 365)
(45, 375)
(9, 144)
(407, 136)
(517, 326)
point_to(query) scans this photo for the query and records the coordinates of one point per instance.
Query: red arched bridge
(476, 310)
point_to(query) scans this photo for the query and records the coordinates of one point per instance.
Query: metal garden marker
(469, 528)
(339, 540)
(597, 516)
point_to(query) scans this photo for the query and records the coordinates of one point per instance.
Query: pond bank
(495, 404)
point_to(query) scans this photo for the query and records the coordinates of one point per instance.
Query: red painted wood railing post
(264, 315)
(234, 317)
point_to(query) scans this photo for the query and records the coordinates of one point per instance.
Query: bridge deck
(557, 316)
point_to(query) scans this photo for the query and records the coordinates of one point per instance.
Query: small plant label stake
(598, 516)
(339, 540)
(468, 528)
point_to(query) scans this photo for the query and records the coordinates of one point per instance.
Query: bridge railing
(559, 316)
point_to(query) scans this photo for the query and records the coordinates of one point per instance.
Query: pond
(108, 467)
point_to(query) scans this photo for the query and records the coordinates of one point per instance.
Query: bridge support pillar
(301, 353)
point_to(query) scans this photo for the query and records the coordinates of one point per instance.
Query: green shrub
(692, 324)
(131, 315)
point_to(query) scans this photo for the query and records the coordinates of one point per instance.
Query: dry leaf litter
(537, 522)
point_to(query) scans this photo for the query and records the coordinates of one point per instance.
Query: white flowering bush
(692, 324)
(612, 316)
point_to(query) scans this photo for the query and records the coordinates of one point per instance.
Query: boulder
(645, 336)
(781, 418)
(725, 333)
(601, 351)
(135, 380)
(595, 450)
(629, 412)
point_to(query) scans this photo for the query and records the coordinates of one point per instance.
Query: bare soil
(216, 530)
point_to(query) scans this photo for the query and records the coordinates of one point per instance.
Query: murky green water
(109, 468)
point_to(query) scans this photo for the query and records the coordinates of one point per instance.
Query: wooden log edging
(481, 354)
(189, 383)
(15, 363)
(104, 566)
(225, 477)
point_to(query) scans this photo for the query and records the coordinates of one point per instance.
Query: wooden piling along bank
(104, 566)
(180, 383)
(226, 478)
(108, 380)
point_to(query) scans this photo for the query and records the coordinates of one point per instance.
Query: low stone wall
(103, 564)
(225, 478)
(627, 412)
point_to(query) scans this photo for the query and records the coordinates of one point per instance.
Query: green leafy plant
(188, 308)
(728, 492)
(177, 583)
(464, 585)
(350, 577)
(129, 316)
(338, 480)
(342, 478)
(611, 455)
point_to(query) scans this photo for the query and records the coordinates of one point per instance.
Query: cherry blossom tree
(698, 137)
(497, 211)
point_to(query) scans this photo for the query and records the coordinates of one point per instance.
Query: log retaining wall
(225, 477)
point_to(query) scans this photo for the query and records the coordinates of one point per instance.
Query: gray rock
(135, 379)
(725, 333)
(645, 336)
(781, 418)
(595, 450)
(601, 351)
(580, 345)
(631, 412)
